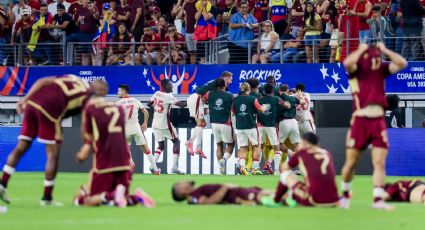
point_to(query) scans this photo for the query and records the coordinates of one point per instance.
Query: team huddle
(267, 121)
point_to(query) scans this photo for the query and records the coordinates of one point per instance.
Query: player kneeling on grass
(218, 194)
(103, 126)
(316, 164)
(244, 108)
(412, 191)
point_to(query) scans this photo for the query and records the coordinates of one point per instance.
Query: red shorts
(35, 124)
(301, 195)
(365, 131)
(107, 182)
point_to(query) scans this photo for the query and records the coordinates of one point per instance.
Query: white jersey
(303, 111)
(162, 107)
(131, 107)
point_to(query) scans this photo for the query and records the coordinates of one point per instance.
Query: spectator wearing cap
(63, 21)
(172, 48)
(122, 12)
(148, 50)
(87, 18)
(120, 53)
(18, 7)
(52, 7)
(242, 25)
(137, 19)
(189, 10)
(22, 28)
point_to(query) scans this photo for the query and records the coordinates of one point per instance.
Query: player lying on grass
(412, 191)
(103, 127)
(218, 194)
(316, 164)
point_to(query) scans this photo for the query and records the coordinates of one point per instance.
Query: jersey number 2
(112, 126)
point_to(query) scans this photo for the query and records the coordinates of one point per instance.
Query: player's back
(131, 107)
(303, 111)
(220, 104)
(400, 190)
(318, 168)
(162, 103)
(205, 190)
(367, 83)
(209, 86)
(65, 97)
(244, 108)
(107, 121)
(268, 118)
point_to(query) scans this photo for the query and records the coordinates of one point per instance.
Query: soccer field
(25, 213)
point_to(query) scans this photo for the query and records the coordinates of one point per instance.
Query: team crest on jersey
(242, 109)
(267, 108)
(218, 104)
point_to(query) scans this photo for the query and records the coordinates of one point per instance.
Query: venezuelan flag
(205, 30)
(104, 33)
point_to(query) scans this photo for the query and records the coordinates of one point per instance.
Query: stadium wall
(406, 155)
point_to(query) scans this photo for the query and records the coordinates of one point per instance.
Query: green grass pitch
(25, 213)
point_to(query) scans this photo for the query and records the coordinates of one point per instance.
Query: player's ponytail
(245, 88)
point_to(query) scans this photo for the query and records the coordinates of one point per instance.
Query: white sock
(378, 192)
(345, 186)
(9, 170)
(242, 162)
(157, 154)
(226, 156)
(49, 183)
(176, 161)
(199, 134)
(284, 176)
(277, 157)
(256, 164)
(152, 161)
(193, 135)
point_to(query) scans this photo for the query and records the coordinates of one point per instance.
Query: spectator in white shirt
(52, 7)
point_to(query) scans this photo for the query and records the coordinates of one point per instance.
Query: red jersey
(65, 97)
(400, 190)
(178, 39)
(367, 83)
(105, 122)
(230, 197)
(319, 171)
(361, 8)
(298, 20)
(383, 3)
(25, 26)
(73, 10)
(151, 40)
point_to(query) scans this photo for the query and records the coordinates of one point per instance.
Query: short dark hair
(283, 87)
(220, 83)
(268, 89)
(164, 82)
(43, 5)
(393, 100)
(300, 86)
(125, 87)
(253, 82)
(176, 197)
(270, 78)
(311, 138)
(376, 8)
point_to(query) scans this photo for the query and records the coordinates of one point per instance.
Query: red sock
(48, 190)
(280, 191)
(5, 179)
(148, 152)
(109, 196)
(346, 194)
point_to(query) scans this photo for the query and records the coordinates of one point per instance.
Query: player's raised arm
(397, 62)
(350, 63)
(215, 198)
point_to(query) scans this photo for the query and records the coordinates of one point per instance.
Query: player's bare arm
(84, 152)
(215, 198)
(350, 63)
(397, 61)
(284, 104)
(36, 87)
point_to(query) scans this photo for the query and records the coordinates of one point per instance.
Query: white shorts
(195, 106)
(246, 136)
(134, 132)
(270, 133)
(335, 38)
(161, 134)
(222, 133)
(191, 45)
(306, 126)
(288, 128)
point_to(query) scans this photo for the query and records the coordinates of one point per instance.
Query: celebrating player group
(270, 120)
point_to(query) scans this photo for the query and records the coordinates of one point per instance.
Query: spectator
(268, 45)
(121, 53)
(74, 8)
(224, 15)
(137, 19)
(321, 9)
(204, 13)
(177, 14)
(18, 7)
(174, 42)
(412, 13)
(297, 13)
(122, 12)
(261, 10)
(313, 29)
(189, 12)
(43, 53)
(155, 14)
(363, 9)
(88, 16)
(162, 27)
(293, 48)
(392, 115)
(52, 7)
(377, 24)
(3, 20)
(63, 21)
(242, 27)
(332, 26)
(279, 14)
(106, 19)
(148, 50)
(23, 27)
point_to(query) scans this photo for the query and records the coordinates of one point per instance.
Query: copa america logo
(218, 103)
(242, 108)
(267, 108)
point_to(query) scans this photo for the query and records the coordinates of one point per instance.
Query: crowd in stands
(176, 31)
